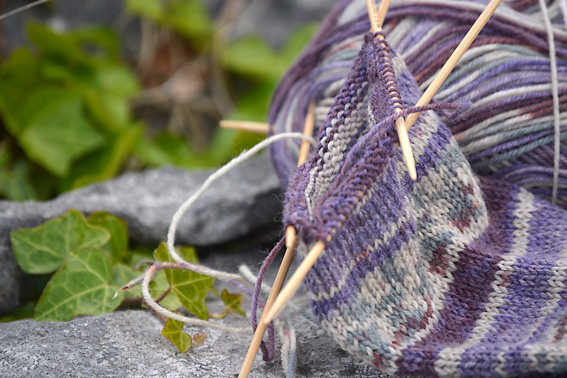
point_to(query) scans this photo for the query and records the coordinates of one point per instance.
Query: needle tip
(413, 174)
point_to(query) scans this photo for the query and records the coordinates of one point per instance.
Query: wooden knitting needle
(290, 241)
(454, 59)
(319, 247)
(376, 20)
(255, 127)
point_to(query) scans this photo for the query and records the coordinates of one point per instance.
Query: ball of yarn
(508, 132)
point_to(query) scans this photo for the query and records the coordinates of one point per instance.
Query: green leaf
(190, 19)
(187, 17)
(53, 43)
(115, 78)
(104, 163)
(121, 275)
(80, 287)
(19, 76)
(253, 57)
(110, 110)
(233, 302)
(254, 104)
(43, 249)
(191, 288)
(158, 286)
(56, 132)
(117, 245)
(173, 331)
(152, 9)
(188, 253)
(167, 149)
(228, 143)
(99, 37)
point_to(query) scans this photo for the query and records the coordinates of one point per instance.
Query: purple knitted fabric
(508, 131)
(450, 275)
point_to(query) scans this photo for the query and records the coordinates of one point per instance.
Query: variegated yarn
(512, 131)
(462, 272)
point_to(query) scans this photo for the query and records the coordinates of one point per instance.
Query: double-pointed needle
(377, 17)
(290, 241)
(454, 59)
(319, 247)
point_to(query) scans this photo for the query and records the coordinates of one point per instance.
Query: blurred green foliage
(65, 102)
(65, 112)
(187, 17)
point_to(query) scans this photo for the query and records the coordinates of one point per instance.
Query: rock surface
(244, 200)
(129, 344)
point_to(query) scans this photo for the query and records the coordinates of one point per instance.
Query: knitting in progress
(512, 131)
(450, 275)
(462, 272)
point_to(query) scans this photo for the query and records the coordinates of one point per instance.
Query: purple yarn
(267, 351)
(523, 64)
(449, 275)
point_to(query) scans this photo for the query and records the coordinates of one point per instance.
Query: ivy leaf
(191, 288)
(168, 149)
(191, 19)
(187, 17)
(53, 43)
(19, 76)
(158, 286)
(97, 36)
(115, 78)
(173, 331)
(104, 163)
(121, 275)
(189, 254)
(56, 131)
(80, 287)
(43, 249)
(152, 9)
(199, 339)
(253, 57)
(117, 245)
(233, 302)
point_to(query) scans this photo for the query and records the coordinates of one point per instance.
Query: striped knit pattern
(508, 131)
(450, 275)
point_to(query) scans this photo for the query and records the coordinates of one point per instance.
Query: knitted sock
(449, 275)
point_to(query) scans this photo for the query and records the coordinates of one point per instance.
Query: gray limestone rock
(244, 200)
(129, 344)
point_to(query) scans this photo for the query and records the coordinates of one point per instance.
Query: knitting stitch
(507, 133)
(450, 275)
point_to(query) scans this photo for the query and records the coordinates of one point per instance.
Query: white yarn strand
(172, 315)
(227, 277)
(215, 176)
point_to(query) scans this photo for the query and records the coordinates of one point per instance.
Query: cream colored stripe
(450, 358)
